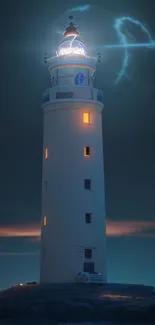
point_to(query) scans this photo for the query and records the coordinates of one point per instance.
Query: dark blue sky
(129, 137)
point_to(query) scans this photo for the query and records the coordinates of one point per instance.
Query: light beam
(131, 45)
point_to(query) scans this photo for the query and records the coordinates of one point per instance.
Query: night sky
(128, 128)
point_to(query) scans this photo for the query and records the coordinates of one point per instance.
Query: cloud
(31, 232)
(130, 228)
(19, 253)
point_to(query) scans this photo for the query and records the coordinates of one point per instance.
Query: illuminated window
(88, 253)
(46, 153)
(44, 221)
(86, 151)
(86, 118)
(87, 184)
(88, 217)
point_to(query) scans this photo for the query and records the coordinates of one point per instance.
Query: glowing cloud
(130, 228)
(20, 231)
(113, 229)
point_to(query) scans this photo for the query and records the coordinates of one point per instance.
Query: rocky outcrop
(74, 303)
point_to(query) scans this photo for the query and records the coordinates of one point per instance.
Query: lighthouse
(73, 228)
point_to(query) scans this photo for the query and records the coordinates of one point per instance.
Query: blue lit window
(79, 78)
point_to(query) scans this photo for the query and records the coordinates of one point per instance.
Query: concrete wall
(64, 199)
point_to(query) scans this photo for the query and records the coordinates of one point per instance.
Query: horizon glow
(117, 228)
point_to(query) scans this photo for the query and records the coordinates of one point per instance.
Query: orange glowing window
(46, 153)
(87, 151)
(86, 118)
(44, 221)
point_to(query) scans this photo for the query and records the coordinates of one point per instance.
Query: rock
(73, 304)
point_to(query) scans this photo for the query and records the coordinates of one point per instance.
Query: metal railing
(84, 93)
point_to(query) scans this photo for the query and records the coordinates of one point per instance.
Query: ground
(57, 304)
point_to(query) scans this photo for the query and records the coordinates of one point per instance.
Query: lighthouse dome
(72, 43)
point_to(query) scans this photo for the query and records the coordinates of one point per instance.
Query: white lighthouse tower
(73, 230)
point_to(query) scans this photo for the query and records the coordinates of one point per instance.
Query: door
(88, 267)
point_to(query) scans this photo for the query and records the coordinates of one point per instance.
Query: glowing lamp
(72, 50)
(72, 46)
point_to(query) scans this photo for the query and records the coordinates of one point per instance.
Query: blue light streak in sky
(123, 39)
(80, 8)
(119, 22)
(131, 45)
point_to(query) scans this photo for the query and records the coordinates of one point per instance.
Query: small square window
(87, 151)
(46, 153)
(88, 253)
(44, 221)
(88, 217)
(87, 184)
(86, 118)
